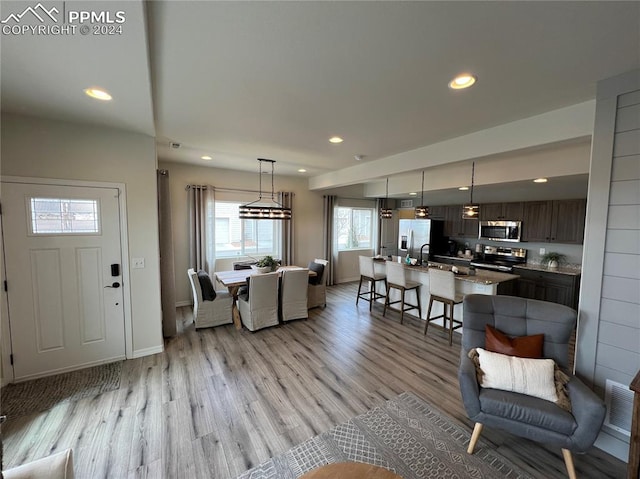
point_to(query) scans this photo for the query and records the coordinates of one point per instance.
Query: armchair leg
(568, 461)
(477, 429)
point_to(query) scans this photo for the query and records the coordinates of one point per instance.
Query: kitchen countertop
(574, 270)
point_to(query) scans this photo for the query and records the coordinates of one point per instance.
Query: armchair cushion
(520, 346)
(56, 466)
(319, 270)
(208, 291)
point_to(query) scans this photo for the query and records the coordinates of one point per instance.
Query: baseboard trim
(139, 353)
(180, 304)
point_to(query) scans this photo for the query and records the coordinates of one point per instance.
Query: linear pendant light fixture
(471, 211)
(386, 213)
(257, 210)
(422, 211)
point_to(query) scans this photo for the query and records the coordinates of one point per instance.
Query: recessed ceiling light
(464, 80)
(540, 180)
(413, 194)
(98, 94)
(302, 170)
(463, 188)
(206, 157)
(336, 139)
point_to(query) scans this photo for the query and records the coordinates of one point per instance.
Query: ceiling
(242, 80)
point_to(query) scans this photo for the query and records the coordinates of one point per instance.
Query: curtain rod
(214, 188)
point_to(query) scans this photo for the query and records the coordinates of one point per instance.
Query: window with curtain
(353, 228)
(236, 237)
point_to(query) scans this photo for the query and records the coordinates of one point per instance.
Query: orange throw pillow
(522, 346)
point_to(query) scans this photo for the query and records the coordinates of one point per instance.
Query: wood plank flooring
(219, 401)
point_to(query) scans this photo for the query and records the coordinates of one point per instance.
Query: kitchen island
(483, 282)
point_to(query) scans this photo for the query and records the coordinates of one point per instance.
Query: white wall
(307, 213)
(53, 149)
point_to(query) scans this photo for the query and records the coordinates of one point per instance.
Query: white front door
(65, 297)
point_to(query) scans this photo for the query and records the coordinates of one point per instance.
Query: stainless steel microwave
(501, 230)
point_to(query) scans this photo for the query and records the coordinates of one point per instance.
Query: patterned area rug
(41, 394)
(406, 436)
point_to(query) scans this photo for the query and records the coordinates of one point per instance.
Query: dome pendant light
(471, 211)
(422, 211)
(386, 213)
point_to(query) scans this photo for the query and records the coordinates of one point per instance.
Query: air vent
(619, 400)
(406, 203)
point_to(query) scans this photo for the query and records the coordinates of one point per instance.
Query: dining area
(257, 299)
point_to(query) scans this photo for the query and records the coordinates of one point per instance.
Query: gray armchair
(522, 415)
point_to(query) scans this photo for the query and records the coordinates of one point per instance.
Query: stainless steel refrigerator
(416, 234)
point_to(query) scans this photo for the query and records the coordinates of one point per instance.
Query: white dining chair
(259, 306)
(317, 287)
(208, 313)
(293, 294)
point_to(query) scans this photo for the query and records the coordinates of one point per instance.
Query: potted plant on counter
(266, 264)
(552, 259)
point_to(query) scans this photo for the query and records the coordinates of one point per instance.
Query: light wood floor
(219, 401)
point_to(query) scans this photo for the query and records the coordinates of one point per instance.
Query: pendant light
(422, 211)
(386, 213)
(472, 210)
(257, 210)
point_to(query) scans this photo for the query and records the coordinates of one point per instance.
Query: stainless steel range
(498, 258)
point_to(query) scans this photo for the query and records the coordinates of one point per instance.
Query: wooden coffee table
(350, 470)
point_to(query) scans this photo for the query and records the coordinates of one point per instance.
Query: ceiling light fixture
(386, 213)
(464, 188)
(98, 94)
(462, 81)
(206, 157)
(270, 211)
(540, 180)
(471, 210)
(422, 212)
(302, 170)
(335, 140)
(413, 194)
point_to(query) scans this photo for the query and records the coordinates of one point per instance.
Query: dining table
(233, 280)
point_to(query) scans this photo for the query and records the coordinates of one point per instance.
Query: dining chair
(369, 274)
(209, 312)
(442, 288)
(258, 307)
(293, 294)
(317, 287)
(397, 279)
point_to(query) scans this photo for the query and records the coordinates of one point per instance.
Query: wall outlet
(543, 250)
(137, 263)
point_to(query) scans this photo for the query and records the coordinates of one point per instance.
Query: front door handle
(113, 285)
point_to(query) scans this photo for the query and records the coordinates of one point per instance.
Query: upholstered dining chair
(293, 294)
(317, 288)
(522, 414)
(397, 279)
(258, 307)
(210, 307)
(369, 274)
(442, 288)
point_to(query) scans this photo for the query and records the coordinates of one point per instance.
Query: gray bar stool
(397, 279)
(442, 287)
(368, 273)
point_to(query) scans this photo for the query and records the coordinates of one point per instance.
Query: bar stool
(397, 279)
(442, 287)
(368, 273)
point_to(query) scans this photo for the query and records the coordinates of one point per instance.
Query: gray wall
(608, 345)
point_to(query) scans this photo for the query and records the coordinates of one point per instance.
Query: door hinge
(11, 359)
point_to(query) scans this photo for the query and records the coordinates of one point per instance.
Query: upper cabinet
(501, 211)
(560, 221)
(456, 227)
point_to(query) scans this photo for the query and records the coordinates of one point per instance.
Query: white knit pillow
(534, 377)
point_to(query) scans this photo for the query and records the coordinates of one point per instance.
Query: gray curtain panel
(167, 272)
(201, 231)
(285, 198)
(327, 241)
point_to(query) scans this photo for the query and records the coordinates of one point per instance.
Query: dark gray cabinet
(501, 211)
(456, 227)
(560, 221)
(547, 286)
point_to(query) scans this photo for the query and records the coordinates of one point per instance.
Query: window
(236, 237)
(353, 228)
(64, 216)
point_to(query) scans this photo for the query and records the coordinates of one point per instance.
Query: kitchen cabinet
(438, 212)
(547, 286)
(559, 221)
(501, 211)
(456, 227)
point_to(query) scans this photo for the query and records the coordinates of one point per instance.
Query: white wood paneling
(622, 289)
(92, 318)
(623, 241)
(625, 192)
(46, 279)
(620, 312)
(624, 337)
(630, 98)
(626, 168)
(627, 143)
(628, 118)
(622, 265)
(624, 217)
(623, 360)
(603, 373)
